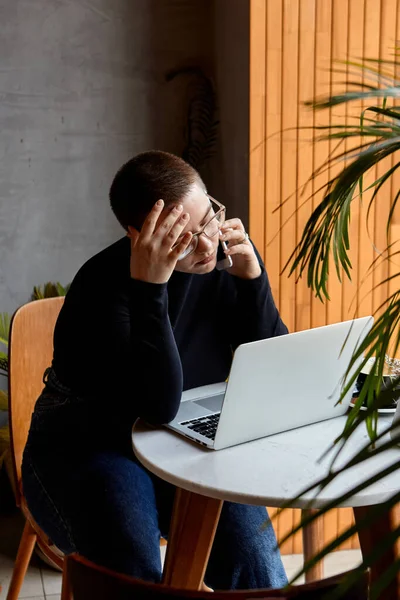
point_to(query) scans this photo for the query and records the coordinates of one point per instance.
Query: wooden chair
(30, 353)
(88, 581)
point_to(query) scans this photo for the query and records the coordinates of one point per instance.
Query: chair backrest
(30, 353)
(92, 582)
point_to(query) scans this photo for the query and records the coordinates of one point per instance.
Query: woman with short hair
(145, 319)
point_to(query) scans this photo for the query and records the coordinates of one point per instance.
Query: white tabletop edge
(166, 466)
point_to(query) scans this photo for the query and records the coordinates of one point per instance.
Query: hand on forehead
(198, 207)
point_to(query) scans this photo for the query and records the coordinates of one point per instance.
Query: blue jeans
(102, 503)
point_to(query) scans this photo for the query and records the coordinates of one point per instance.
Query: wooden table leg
(313, 542)
(194, 522)
(369, 539)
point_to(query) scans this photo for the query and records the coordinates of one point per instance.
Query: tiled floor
(43, 583)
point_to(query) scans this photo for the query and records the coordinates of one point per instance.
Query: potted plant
(325, 239)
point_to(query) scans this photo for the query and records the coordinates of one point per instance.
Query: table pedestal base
(313, 542)
(370, 537)
(193, 526)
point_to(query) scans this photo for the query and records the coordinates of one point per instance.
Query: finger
(168, 221)
(232, 224)
(234, 235)
(244, 248)
(183, 244)
(173, 234)
(151, 220)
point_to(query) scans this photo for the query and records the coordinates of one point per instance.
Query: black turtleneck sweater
(131, 347)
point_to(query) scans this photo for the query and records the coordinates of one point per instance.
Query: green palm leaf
(5, 320)
(3, 400)
(327, 227)
(3, 362)
(49, 290)
(326, 238)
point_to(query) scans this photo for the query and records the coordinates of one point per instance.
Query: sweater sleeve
(146, 364)
(256, 316)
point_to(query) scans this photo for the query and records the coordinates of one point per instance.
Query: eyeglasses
(210, 229)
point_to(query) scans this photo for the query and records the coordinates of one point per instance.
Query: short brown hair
(146, 178)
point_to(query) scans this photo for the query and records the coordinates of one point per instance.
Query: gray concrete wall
(81, 90)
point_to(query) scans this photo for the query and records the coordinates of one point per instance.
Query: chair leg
(313, 542)
(26, 546)
(66, 591)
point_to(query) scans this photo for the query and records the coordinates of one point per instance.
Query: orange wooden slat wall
(293, 46)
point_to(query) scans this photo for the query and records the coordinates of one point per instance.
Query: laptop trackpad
(214, 404)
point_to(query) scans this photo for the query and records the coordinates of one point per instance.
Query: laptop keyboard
(207, 426)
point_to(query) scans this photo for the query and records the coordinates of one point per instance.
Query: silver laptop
(274, 385)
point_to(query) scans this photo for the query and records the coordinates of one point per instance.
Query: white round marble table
(265, 472)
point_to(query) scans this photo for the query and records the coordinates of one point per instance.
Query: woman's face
(204, 258)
